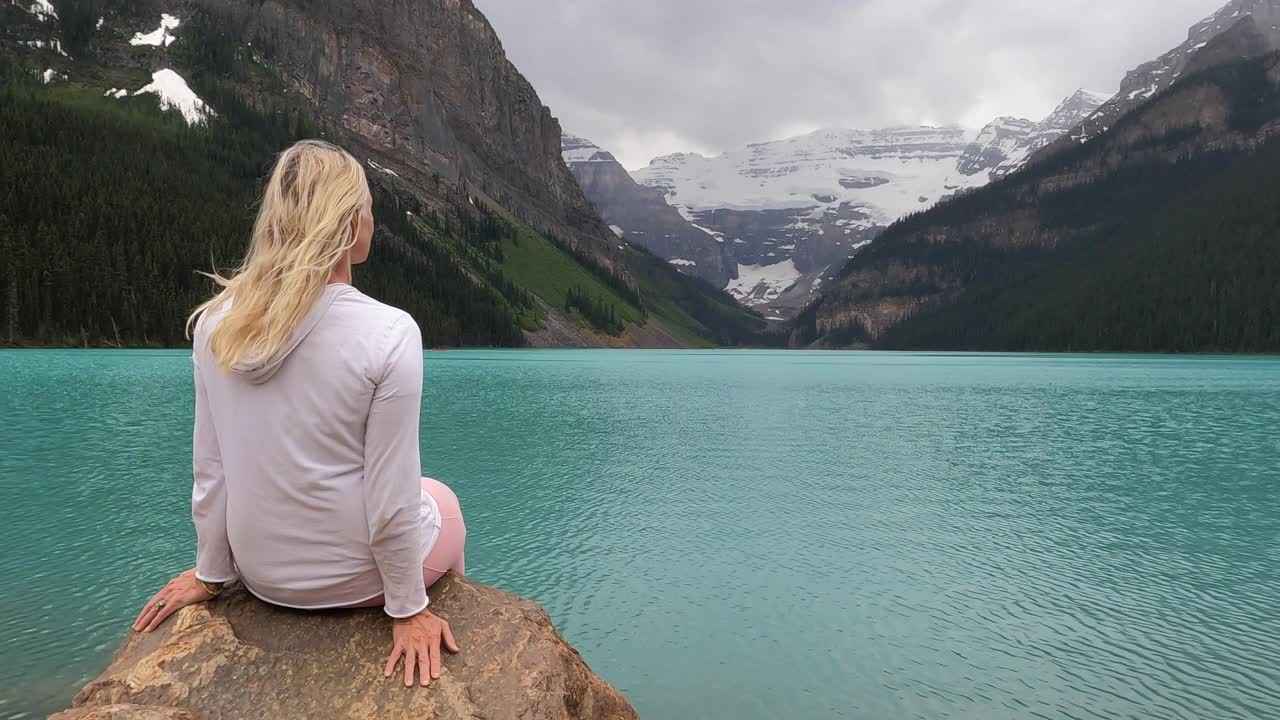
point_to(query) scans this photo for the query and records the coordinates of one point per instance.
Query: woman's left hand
(181, 591)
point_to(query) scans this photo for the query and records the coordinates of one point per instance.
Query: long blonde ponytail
(303, 230)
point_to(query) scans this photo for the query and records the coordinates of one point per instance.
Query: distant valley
(786, 215)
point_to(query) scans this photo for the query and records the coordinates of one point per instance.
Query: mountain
(792, 209)
(791, 212)
(136, 133)
(641, 215)
(1005, 145)
(1152, 78)
(1159, 234)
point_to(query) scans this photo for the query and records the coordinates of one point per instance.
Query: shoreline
(876, 351)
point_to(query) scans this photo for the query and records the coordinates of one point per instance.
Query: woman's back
(312, 443)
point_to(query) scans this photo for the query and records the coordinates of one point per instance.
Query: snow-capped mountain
(1007, 143)
(791, 212)
(576, 149)
(808, 203)
(641, 215)
(1150, 79)
(998, 145)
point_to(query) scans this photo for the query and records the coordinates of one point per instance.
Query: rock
(1241, 29)
(643, 216)
(423, 87)
(125, 712)
(237, 657)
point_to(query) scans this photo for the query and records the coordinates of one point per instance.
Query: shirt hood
(258, 371)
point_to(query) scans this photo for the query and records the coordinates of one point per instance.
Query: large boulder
(237, 657)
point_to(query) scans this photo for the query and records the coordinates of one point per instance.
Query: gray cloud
(648, 78)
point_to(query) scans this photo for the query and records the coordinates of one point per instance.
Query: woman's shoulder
(377, 314)
(206, 321)
(386, 327)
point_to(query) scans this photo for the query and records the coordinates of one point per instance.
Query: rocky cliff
(1006, 144)
(642, 215)
(237, 657)
(428, 87)
(1262, 21)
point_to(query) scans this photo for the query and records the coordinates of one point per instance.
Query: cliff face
(237, 657)
(1251, 27)
(426, 86)
(643, 215)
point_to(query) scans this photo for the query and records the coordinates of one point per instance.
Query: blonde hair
(303, 230)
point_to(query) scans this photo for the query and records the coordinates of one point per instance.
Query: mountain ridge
(792, 211)
(640, 214)
(1150, 78)
(1017, 264)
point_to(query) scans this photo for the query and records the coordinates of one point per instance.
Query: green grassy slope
(534, 262)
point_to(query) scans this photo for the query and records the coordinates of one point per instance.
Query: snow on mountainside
(810, 201)
(1148, 80)
(1000, 144)
(792, 212)
(883, 174)
(641, 215)
(1006, 144)
(576, 149)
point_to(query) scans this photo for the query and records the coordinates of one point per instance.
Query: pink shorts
(449, 552)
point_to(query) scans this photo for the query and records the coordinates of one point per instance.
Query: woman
(307, 479)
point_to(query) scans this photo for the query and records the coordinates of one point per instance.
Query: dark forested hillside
(1198, 274)
(110, 206)
(108, 209)
(1162, 234)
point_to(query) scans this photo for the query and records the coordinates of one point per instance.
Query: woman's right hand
(418, 638)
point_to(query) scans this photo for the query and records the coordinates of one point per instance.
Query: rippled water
(748, 535)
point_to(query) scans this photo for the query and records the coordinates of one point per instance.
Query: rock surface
(1005, 145)
(1258, 18)
(641, 214)
(428, 88)
(238, 657)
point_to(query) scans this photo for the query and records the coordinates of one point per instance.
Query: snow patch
(761, 284)
(160, 37)
(50, 75)
(54, 45)
(99, 25)
(42, 9)
(682, 262)
(116, 93)
(576, 149)
(381, 169)
(617, 230)
(175, 93)
(804, 173)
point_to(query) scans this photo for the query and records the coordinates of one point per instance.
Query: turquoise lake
(746, 535)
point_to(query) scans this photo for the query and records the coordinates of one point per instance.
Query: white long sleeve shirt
(307, 473)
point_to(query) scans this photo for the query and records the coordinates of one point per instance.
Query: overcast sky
(643, 78)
